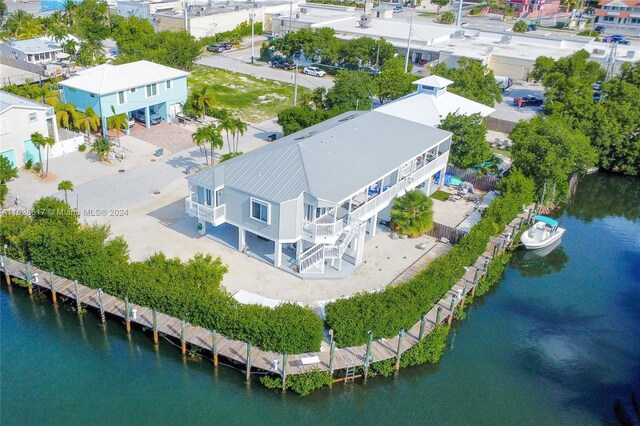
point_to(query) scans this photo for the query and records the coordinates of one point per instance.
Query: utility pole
(253, 19)
(295, 84)
(186, 15)
(290, 14)
(406, 59)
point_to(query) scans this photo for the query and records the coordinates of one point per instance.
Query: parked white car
(315, 71)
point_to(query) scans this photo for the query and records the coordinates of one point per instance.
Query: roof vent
(349, 117)
(631, 53)
(365, 21)
(598, 51)
(458, 34)
(307, 135)
(506, 39)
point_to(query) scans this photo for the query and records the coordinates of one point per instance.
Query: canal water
(556, 342)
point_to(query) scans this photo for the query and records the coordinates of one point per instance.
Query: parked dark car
(372, 70)
(154, 117)
(216, 48)
(529, 101)
(618, 39)
(599, 29)
(227, 45)
(532, 27)
(398, 8)
(282, 64)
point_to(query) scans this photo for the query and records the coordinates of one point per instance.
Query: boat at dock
(544, 232)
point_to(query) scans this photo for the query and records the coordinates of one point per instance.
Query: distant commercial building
(147, 9)
(37, 51)
(535, 8)
(625, 12)
(141, 87)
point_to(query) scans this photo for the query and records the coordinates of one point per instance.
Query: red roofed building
(619, 12)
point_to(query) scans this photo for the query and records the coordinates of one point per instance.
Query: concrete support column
(147, 119)
(278, 253)
(359, 245)
(429, 186)
(54, 126)
(372, 225)
(298, 249)
(241, 238)
(442, 173)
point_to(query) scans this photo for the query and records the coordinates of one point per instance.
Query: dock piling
(451, 309)
(248, 375)
(101, 305)
(438, 314)
(398, 351)
(183, 341)
(155, 325)
(423, 323)
(127, 315)
(27, 273)
(367, 355)
(54, 297)
(284, 371)
(214, 347)
(75, 291)
(7, 277)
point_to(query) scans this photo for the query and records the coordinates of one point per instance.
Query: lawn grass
(253, 99)
(440, 195)
(428, 14)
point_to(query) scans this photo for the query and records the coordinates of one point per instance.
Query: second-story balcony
(325, 229)
(213, 215)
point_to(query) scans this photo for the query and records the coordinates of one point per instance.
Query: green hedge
(301, 384)
(53, 240)
(386, 313)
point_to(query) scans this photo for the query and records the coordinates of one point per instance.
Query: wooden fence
(443, 231)
(482, 182)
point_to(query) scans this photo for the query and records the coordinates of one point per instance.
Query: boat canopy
(551, 222)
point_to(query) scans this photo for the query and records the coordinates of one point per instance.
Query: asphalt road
(239, 60)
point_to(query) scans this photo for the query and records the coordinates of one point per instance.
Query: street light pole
(406, 59)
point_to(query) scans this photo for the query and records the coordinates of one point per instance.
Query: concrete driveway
(507, 111)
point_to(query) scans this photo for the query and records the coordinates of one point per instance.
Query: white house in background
(34, 51)
(19, 119)
(432, 102)
(308, 202)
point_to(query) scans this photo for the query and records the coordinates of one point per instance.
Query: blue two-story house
(144, 90)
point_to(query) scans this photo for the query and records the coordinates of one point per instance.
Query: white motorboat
(544, 232)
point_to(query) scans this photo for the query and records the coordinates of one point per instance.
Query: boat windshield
(551, 222)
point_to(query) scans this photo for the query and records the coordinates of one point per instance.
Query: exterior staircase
(316, 255)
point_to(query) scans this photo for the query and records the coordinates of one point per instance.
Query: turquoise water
(555, 343)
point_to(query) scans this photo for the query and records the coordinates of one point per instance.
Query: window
(208, 194)
(152, 90)
(122, 98)
(260, 211)
(71, 89)
(92, 95)
(33, 116)
(132, 90)
(168, 84)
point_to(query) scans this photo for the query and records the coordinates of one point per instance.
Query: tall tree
(548, 150)
(239, 129)
(392, 82)
(42, 143)
(65, 185)
(351, 90)
(202, 99)
(119, 122)
(471, 80)
(215, 140)
(469, 148)
(7, 174)
(65, 114)
(22, 25)
(440, 4)
(200, 138)
(102, 147)
(88, 122)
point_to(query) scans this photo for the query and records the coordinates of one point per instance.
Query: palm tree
(65, 114)
(239, 128)
(227, 124)
(117, 122)
(200, 138)
(42, 142)
(22, 25)
(202, 99)
(69, 12)
(215, 139)
(102, 147)
(412, 214)
(65, 186)
(55, 27)
(88, 122)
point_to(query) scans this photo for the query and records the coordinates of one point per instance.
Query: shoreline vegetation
(87, 253)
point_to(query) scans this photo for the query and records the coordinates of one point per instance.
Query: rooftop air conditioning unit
(304, 10)
(236, 8)
(598, 51)
(365, 21)
(458, 34)
(198, 13)
(297, 16)
(631, 53)
(505, 39)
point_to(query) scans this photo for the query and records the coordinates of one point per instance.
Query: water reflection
(596, 198)
(537, 263)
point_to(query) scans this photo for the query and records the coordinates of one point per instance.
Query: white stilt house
(316, 194)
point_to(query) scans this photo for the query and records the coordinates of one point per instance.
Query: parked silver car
(315, 71)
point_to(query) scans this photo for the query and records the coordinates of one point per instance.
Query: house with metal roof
(35, 51)
(142, 89)
(312, 199)
(432, 102)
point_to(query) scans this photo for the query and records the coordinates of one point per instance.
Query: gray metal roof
(330, 160)
(9, 100)
(35, 45)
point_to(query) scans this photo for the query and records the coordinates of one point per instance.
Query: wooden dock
(198, 337)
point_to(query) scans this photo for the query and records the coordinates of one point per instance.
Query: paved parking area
(506, 110)
(170, 137)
